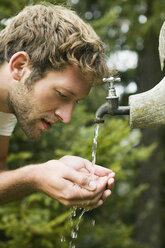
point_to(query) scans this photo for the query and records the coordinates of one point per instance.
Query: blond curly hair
(54, 37)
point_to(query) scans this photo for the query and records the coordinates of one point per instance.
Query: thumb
(102, 171)
(84, 180)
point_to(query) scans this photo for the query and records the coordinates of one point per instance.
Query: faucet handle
(111, 80)
(112, 90)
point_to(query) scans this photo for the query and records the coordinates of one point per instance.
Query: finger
(82, 198)
(84, 180)
(102, 171)
(84, 195)
(96, 195)
(112, 174)
(106, 194)
(90, 204)
(72, 161)
(98, 170)
(88, 165)
(78, 196)
(96, 205)
(111, 183)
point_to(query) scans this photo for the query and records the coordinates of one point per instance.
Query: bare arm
(58, 179)
(14, 184)
(4, 144)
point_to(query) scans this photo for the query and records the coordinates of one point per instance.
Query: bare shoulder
(4, 145)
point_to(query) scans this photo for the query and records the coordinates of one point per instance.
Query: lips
(46, 124)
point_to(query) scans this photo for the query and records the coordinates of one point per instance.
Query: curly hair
(54, 37)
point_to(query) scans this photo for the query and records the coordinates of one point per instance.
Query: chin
(32, 131)
(32, 134)
(33, 138)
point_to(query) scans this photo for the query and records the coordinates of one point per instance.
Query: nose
(65, 112)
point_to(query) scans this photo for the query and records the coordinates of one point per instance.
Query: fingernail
(109, 192)
(111, 180)
(92, 185)
(100, 202)
(112, 174)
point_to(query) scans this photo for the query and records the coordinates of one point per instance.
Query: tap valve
(112, 98)
(112, 90)
(111, 107)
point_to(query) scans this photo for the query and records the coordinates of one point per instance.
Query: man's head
(53, 59)
(53, 37)
(50, 100)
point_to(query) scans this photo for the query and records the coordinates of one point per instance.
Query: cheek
(46, 100)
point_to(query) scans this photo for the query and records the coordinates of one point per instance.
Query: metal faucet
(111, 107)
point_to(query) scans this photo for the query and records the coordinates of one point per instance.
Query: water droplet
(63, 239)
(93, 222)
(71, 245)
(74, 211)
(73, 234)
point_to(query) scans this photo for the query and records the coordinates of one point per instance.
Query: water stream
(80, 211)
(94, 147)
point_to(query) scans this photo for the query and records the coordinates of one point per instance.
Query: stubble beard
(21, 106)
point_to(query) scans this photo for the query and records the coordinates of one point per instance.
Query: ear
(19, 65)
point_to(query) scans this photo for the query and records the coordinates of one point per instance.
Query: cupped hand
(62, 183)
(74, 181)
(94, 172)
(84, 165)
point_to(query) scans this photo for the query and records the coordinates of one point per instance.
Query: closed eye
(65, 96)
(61, 94)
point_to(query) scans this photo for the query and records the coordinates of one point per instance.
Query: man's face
(50, 100)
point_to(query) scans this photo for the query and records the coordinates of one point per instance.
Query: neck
(5, 80)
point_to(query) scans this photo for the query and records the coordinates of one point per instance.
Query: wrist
(37, 175)
(30, 176)
(16, 184)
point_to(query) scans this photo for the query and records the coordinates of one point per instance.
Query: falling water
(94, 147)
(75, 210)
(74, 230)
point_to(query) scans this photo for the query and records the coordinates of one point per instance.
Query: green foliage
(33, 222)
(115, 14)
(39, 221)
(109, 236)
(118, 150)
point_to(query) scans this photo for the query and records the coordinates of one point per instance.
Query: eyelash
(64, 96)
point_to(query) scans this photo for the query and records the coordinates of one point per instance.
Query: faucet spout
(111, 107)
(106, 108)
(102, 110)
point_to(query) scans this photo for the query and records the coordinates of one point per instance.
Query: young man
(49, 59)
